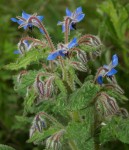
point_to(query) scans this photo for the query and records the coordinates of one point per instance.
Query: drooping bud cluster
(54, 141)
(44, 88)
(107, 106)
(38, 124)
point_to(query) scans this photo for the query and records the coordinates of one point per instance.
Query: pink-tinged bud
(22, 73)
(95, 41)
(22, 47)
(124, 113)
(39, 86)
(38, 124)
(81, 55)
(49, 87)
(106, 105)
(53, 142)
(79, 66)
(115, 87)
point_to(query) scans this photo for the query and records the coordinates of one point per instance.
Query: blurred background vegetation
(107, 18)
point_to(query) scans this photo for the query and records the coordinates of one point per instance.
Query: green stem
(96, 138)
(72, 145)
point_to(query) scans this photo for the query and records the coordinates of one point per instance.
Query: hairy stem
(96, 138)
(40, 25)
(51, 119)
(34, 40)
(66, 34)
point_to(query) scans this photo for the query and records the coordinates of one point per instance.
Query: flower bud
(81, 55)
(38, 124)
(39, 86)
(124, 113)
(53, 142)
(22, 46)
(79, 66)
(49, 87)
(106, 105)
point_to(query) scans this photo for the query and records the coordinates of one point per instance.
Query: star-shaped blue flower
(108, 70)
(75, 17)
(62, 50)
(24, 21)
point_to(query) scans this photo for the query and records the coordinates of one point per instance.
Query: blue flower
(62, 50)
(100, 80)
(108, 70)
(74, 17)
(23, 46)
(25, 23)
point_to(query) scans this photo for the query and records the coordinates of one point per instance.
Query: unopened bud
(79, 66)
(39, 86)
(81, 55)
(38, 124)
(124, 112)
(53, 142)
(108, 105)
(49, 87)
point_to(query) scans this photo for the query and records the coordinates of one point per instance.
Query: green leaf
(83, 96)
(23, 61)
(80, 133)
(115, 129)
(39, 137)
(29, 100)
(5, 147)
(61, 86)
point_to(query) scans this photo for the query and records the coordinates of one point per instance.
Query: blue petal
(79, 10)
(72, 43)
(17, 52)
(20, 22)
(59, 23)
(25, 15)
(111, 72)
(80, 17)
(41, 31)
(26, 43)
(53, 55)
(114, 60)
(14, 19)
(68, 12)
(25, 27)
(100, 80)
(61, 53)
(40, 18)
(63, 28)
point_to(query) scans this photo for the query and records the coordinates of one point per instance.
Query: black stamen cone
(74, 25)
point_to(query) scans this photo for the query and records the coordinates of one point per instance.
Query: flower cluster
(57, 78)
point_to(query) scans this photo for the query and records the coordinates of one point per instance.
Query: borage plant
(64, 107)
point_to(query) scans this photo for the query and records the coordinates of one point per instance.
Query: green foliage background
(107, 18)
